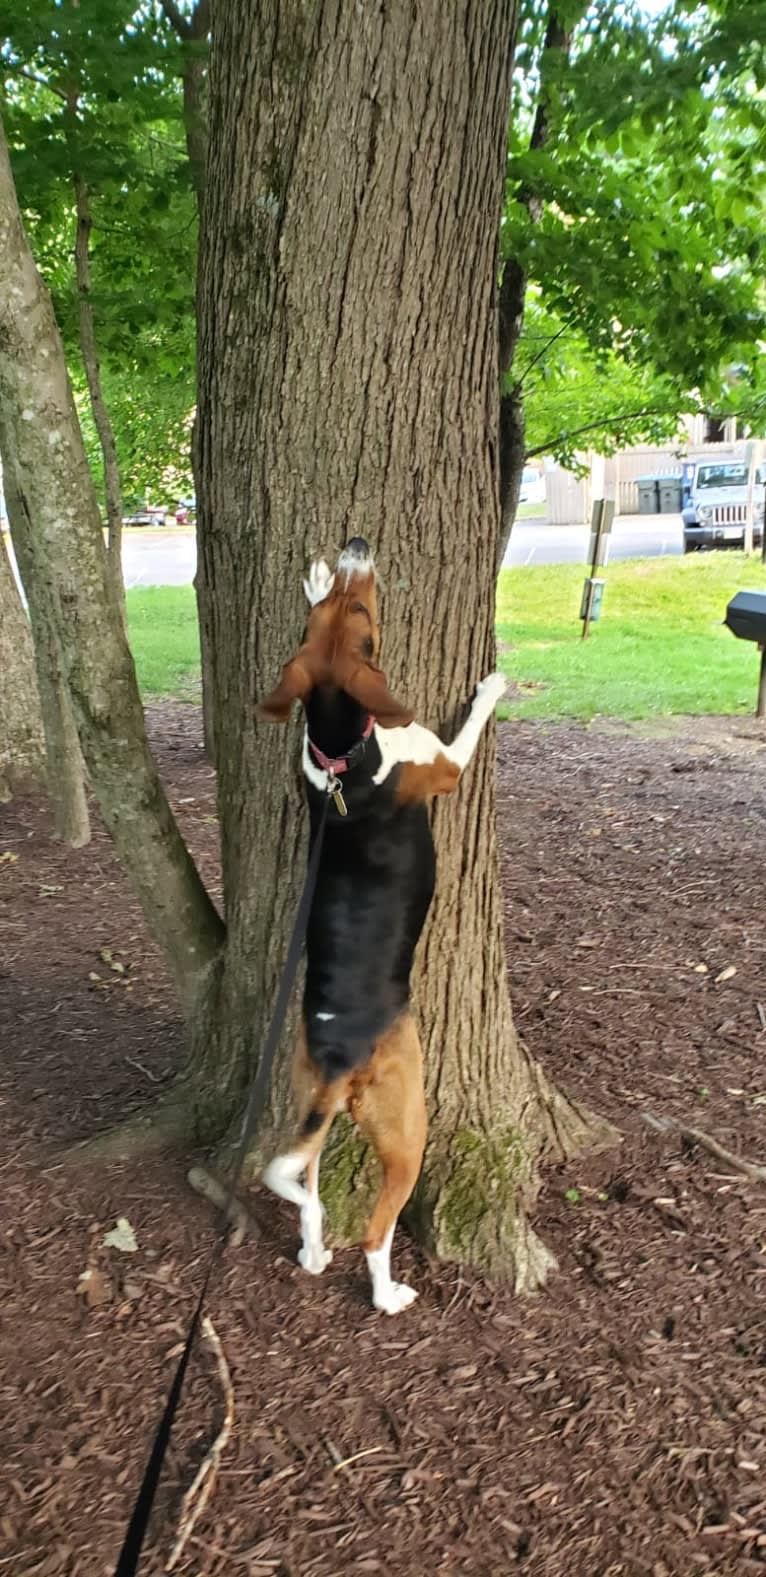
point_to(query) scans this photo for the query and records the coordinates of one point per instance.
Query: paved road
(167, 557)
(633, 536)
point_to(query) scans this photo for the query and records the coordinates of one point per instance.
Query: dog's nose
(356, 559)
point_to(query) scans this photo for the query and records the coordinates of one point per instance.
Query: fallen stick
(236, 1214)
(707, 1142)
(205, 1477)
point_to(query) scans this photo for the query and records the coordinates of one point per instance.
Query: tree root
(164, 1126)
(568, 1129)
(237, 1216)
(533, 1260)
(707, 1142)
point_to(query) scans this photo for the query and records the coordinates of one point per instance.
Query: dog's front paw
(314, 1260)
(395, 1299)
(492, 688)
(319, 582)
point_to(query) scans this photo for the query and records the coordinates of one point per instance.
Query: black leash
(130, 1554)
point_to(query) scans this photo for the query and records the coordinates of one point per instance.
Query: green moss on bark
(483, 1177)
(348, 1183)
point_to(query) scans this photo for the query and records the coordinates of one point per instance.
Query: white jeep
(714, 515)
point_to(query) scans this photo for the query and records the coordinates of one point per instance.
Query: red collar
(342, 763)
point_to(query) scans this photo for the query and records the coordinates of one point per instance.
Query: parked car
(147, 515)
(532, 486)
(714, 513)
(186, 512)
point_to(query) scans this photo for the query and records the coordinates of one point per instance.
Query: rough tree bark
(22, 753)
(348, 381)
(193, 33)
(50, 473)
(64, 770)
(512, 300)
(101, 417)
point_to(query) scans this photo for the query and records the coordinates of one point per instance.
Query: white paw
(319, 583)
(492, 688)
(395, 1299)
(313, 1259)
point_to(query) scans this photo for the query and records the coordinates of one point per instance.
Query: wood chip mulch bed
(613, 1427)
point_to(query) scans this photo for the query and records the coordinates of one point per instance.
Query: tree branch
(201, 19)
(512, 298)
(604, 421)
(514, 282)
(39, 82)
(179, 23)
(188, 28)
(538, 356)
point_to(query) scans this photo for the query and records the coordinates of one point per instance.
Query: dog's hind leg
(317, 1105)
(313, 1255)
(390, 1110)
(283, 1176)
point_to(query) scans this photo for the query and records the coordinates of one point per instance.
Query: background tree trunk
(22, 753)
(193, 33)
(101, 417)
(48, 459)
(513, 290)
(348, 381)
(65, 772)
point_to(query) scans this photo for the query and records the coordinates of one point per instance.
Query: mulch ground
(614, 1425)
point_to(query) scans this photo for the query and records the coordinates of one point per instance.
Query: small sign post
(598, 554)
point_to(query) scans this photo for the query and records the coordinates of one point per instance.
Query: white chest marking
(418, 744)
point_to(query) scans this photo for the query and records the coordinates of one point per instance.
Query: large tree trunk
(65, 773)
(22, 753)
(349, 381)
(101, 417)
(51, 475)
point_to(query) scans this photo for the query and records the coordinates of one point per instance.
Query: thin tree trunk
(513, 292)
(101, 417)
(348, 382)
(193, 34)
(65, 772)
(22, 754)
(52, 477)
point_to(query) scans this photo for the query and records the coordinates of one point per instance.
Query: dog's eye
(358, 607)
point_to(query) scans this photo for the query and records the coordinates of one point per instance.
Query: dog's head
(341, 644)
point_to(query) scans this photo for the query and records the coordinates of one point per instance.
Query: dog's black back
(375, 885)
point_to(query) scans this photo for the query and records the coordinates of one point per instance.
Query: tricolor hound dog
(359, 1048)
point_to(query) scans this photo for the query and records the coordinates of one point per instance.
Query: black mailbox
(746, 618)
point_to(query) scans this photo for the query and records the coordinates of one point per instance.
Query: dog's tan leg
(389, 1108)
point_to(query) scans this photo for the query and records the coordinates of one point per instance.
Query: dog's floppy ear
(296, 683)
(367, 685)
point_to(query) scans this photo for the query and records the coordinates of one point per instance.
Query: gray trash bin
(670, 495)
(648, 501)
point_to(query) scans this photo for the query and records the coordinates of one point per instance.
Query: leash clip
(336, 792)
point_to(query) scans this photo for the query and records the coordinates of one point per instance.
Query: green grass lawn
(659, 646)
(163, 634)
